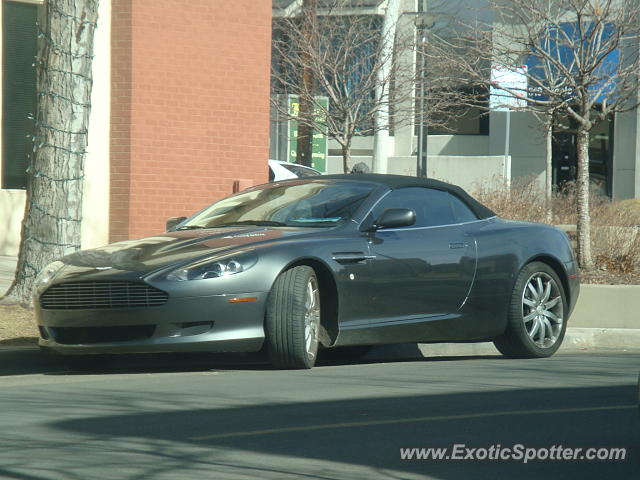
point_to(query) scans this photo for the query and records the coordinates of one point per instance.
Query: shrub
(615, 225)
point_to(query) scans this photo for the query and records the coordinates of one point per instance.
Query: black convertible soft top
(402, 181)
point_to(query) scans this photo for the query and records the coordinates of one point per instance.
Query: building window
(19, 49)
(464, 120)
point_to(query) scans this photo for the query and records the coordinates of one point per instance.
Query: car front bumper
(212, 323)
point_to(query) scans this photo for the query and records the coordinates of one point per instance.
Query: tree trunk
(346, 156)
(584, 219)
(548, 184)
(53, 211)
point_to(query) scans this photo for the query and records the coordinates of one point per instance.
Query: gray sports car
(333, 261)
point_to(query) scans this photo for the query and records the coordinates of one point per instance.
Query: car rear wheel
(537, 314)
(293, 319)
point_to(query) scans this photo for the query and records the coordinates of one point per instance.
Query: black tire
(291, 327)
(522, 339)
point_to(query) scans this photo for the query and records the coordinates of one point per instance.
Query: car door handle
(351, 257)
(458, 245)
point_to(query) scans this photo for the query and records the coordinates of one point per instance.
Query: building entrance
(565, 162)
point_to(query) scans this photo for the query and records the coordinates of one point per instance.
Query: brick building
(180, 111)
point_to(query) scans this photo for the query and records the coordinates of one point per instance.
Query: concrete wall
(458, 145)
(526, 145)
(464, 171)
(610, 306)
(626, 146)
(11, 214)
(95, 204)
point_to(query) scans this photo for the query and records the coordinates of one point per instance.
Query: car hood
(152, 253)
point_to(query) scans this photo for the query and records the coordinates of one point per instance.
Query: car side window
(461, 211)
(433, 207)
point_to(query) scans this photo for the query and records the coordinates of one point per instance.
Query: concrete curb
(621, 339)
(618, 338)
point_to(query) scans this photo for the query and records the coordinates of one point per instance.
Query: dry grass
(17, 326)
(615, 226)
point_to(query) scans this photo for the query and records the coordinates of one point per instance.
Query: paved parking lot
(171, 417)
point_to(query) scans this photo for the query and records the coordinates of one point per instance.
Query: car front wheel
(537, 314)
(293, 319)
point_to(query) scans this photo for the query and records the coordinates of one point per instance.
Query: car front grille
(101, 295)
(89, 335)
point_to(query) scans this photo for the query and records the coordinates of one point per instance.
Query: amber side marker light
(243, 299)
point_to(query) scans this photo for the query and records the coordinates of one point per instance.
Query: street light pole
(424, 21)
(423, 132)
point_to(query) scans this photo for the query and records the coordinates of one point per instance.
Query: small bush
(615, 226)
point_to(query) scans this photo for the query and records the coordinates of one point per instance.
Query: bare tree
(53, 212)
(583, 65)
(352, 64)
(343, 53)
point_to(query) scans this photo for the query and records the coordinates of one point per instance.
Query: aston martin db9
(295, 266)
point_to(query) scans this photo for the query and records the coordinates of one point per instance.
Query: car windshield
(296, 203)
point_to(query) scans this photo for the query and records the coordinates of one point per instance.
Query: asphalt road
(183, 419)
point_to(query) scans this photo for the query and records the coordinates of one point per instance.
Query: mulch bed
(17, 326)
(603, 277)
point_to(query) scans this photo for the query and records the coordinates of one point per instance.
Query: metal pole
(421, 120)
(304, 149)
(381, 131)
(507, 133)
(423, 128)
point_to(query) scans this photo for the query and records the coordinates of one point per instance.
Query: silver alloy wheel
(542, 309)
(312, 316)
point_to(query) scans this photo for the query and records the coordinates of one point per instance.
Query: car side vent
(101, 295)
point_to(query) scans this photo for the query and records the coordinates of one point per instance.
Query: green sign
(319, 145)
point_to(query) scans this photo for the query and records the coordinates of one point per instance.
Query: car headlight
(212, 268)
(47, 274)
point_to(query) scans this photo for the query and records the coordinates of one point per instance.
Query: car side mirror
(173, 221)
(395, 217)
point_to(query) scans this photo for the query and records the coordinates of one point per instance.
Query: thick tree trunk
(53, 212)
(584, 219)
(548, 183)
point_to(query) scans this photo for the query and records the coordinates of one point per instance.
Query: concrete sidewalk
(7, 272)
